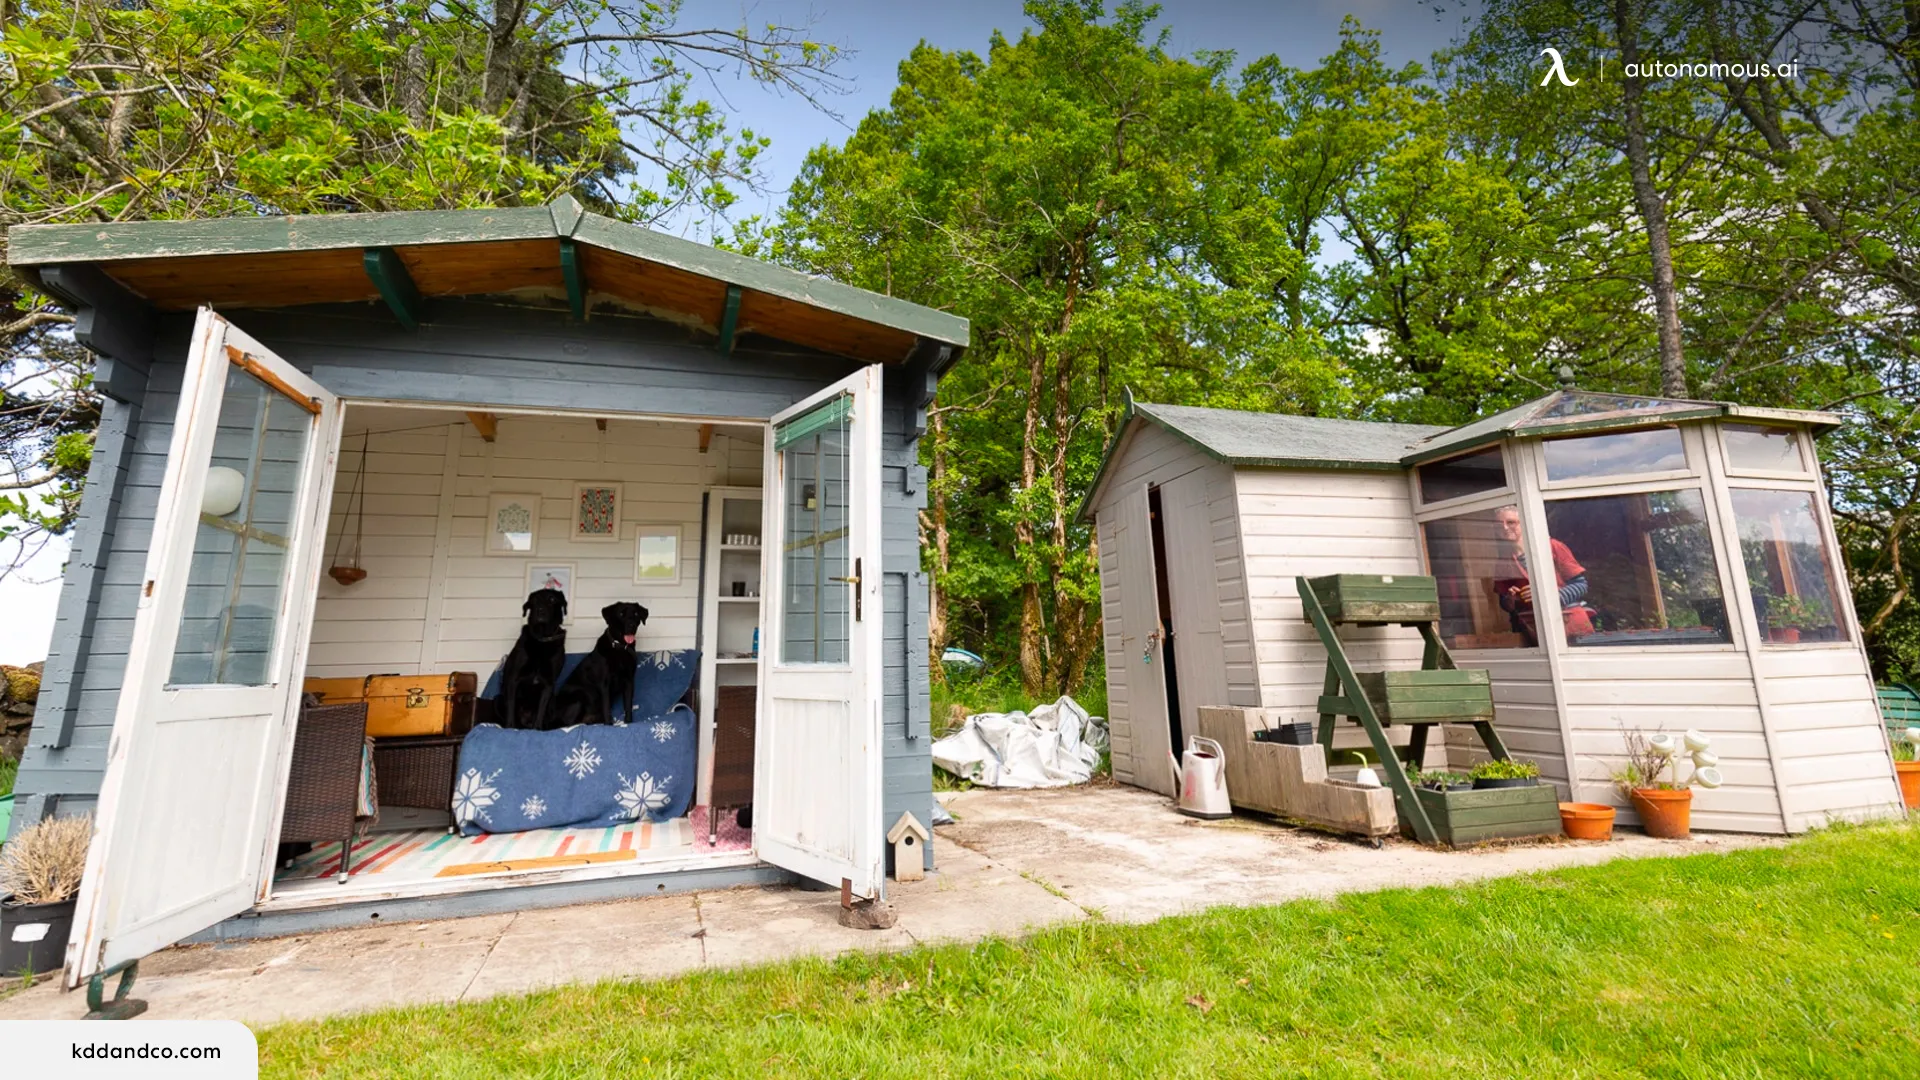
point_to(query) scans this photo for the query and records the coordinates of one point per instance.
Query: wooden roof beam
(576, 278)
(487, 424)
(729, 320)
(389, 275)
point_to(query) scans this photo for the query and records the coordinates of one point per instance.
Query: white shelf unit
(727, 621)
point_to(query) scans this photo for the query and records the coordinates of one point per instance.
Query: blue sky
(878, 34)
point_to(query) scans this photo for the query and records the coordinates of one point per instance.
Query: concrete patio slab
(1014, 862)
(1127, 855)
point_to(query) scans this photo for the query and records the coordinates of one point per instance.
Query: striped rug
(422, 854)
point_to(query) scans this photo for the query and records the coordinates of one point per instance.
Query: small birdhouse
(908, 837)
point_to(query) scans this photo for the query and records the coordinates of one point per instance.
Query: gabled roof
(1569, 411)
(1271, 439)
(1251, 438)
(559, 249)
(1313, 442)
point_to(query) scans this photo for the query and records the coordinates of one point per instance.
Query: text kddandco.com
(1660, 69)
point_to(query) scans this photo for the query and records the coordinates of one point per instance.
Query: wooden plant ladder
(1402, 600)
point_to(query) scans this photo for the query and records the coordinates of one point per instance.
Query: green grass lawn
(1794, 961)
(9, 768)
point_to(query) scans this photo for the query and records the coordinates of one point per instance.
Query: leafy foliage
(1413, 243)
(189, 109)
(1511, 769)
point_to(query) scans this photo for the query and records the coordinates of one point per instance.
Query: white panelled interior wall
(433, 600)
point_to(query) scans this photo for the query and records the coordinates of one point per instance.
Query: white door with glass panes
(201, 737)
(817, 748)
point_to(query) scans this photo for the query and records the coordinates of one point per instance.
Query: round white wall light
(225, 488)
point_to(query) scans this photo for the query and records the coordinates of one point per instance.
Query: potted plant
(1666, 806)
(1510, 773)
(1443, 780)
(1906, 765)
(39, 874)
(1788, 615)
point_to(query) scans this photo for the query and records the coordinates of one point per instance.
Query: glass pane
(1458, 477)
(815, 607)
(1766, 449)
(229, 625)
(1789, 567)
(1616, 453)
(1472, 557)
(1636, 570)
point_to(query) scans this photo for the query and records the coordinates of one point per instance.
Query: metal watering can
(1201, 780)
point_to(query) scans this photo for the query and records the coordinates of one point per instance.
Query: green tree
(184, 108)
(1069, 193)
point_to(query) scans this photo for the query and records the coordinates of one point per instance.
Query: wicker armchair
(323, 788)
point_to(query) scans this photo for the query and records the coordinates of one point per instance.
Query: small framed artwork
(596, 512)
(552, 576)
(656, 555)
(513, 523)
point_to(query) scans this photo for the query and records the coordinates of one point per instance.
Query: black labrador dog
(532, 669)
(600, 690)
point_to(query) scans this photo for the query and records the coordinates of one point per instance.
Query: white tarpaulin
(1055, 745)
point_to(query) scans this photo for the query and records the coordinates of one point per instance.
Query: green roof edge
(1145, 410)
(31, 246)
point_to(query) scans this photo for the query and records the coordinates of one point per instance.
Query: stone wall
(19, 689)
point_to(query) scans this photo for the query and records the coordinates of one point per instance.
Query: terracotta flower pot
(1665, 814)
(1586, 820)
(1909, 774)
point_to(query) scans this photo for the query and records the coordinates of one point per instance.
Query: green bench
(1899, 706)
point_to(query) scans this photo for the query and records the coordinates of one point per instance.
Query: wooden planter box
(1468, 817)
(1376, 598)
(1413, 697)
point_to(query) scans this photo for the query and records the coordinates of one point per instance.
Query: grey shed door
(1187, 527)
(1141, 645)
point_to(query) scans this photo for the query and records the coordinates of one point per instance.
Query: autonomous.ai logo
(1559, 69)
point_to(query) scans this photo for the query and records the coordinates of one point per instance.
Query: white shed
(1655, 512)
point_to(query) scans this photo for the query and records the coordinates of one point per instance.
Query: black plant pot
(1483, 783)
(1443, 788)
(1296, 734)
(33, 937)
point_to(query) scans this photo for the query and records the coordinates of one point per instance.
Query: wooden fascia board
(35, 245)
(1121, 436)
(757, 276)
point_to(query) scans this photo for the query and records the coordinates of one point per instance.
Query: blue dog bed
(591, 774)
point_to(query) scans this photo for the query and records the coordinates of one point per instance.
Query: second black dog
(600, 690)
(532, 669)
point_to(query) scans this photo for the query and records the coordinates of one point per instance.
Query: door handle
(855, 582)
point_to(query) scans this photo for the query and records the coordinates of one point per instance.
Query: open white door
(201, 736)
(817, 745)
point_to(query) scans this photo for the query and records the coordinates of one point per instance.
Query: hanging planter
(350, 572)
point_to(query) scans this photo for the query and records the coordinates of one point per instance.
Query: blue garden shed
(463, 405)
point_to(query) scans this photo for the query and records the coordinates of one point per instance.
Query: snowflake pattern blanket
(591, 774)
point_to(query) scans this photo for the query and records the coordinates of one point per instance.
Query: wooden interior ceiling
(294, 278)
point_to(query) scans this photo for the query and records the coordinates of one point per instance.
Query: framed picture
(596, 512)
(656, 555)
(513, 523)
(552, 576)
